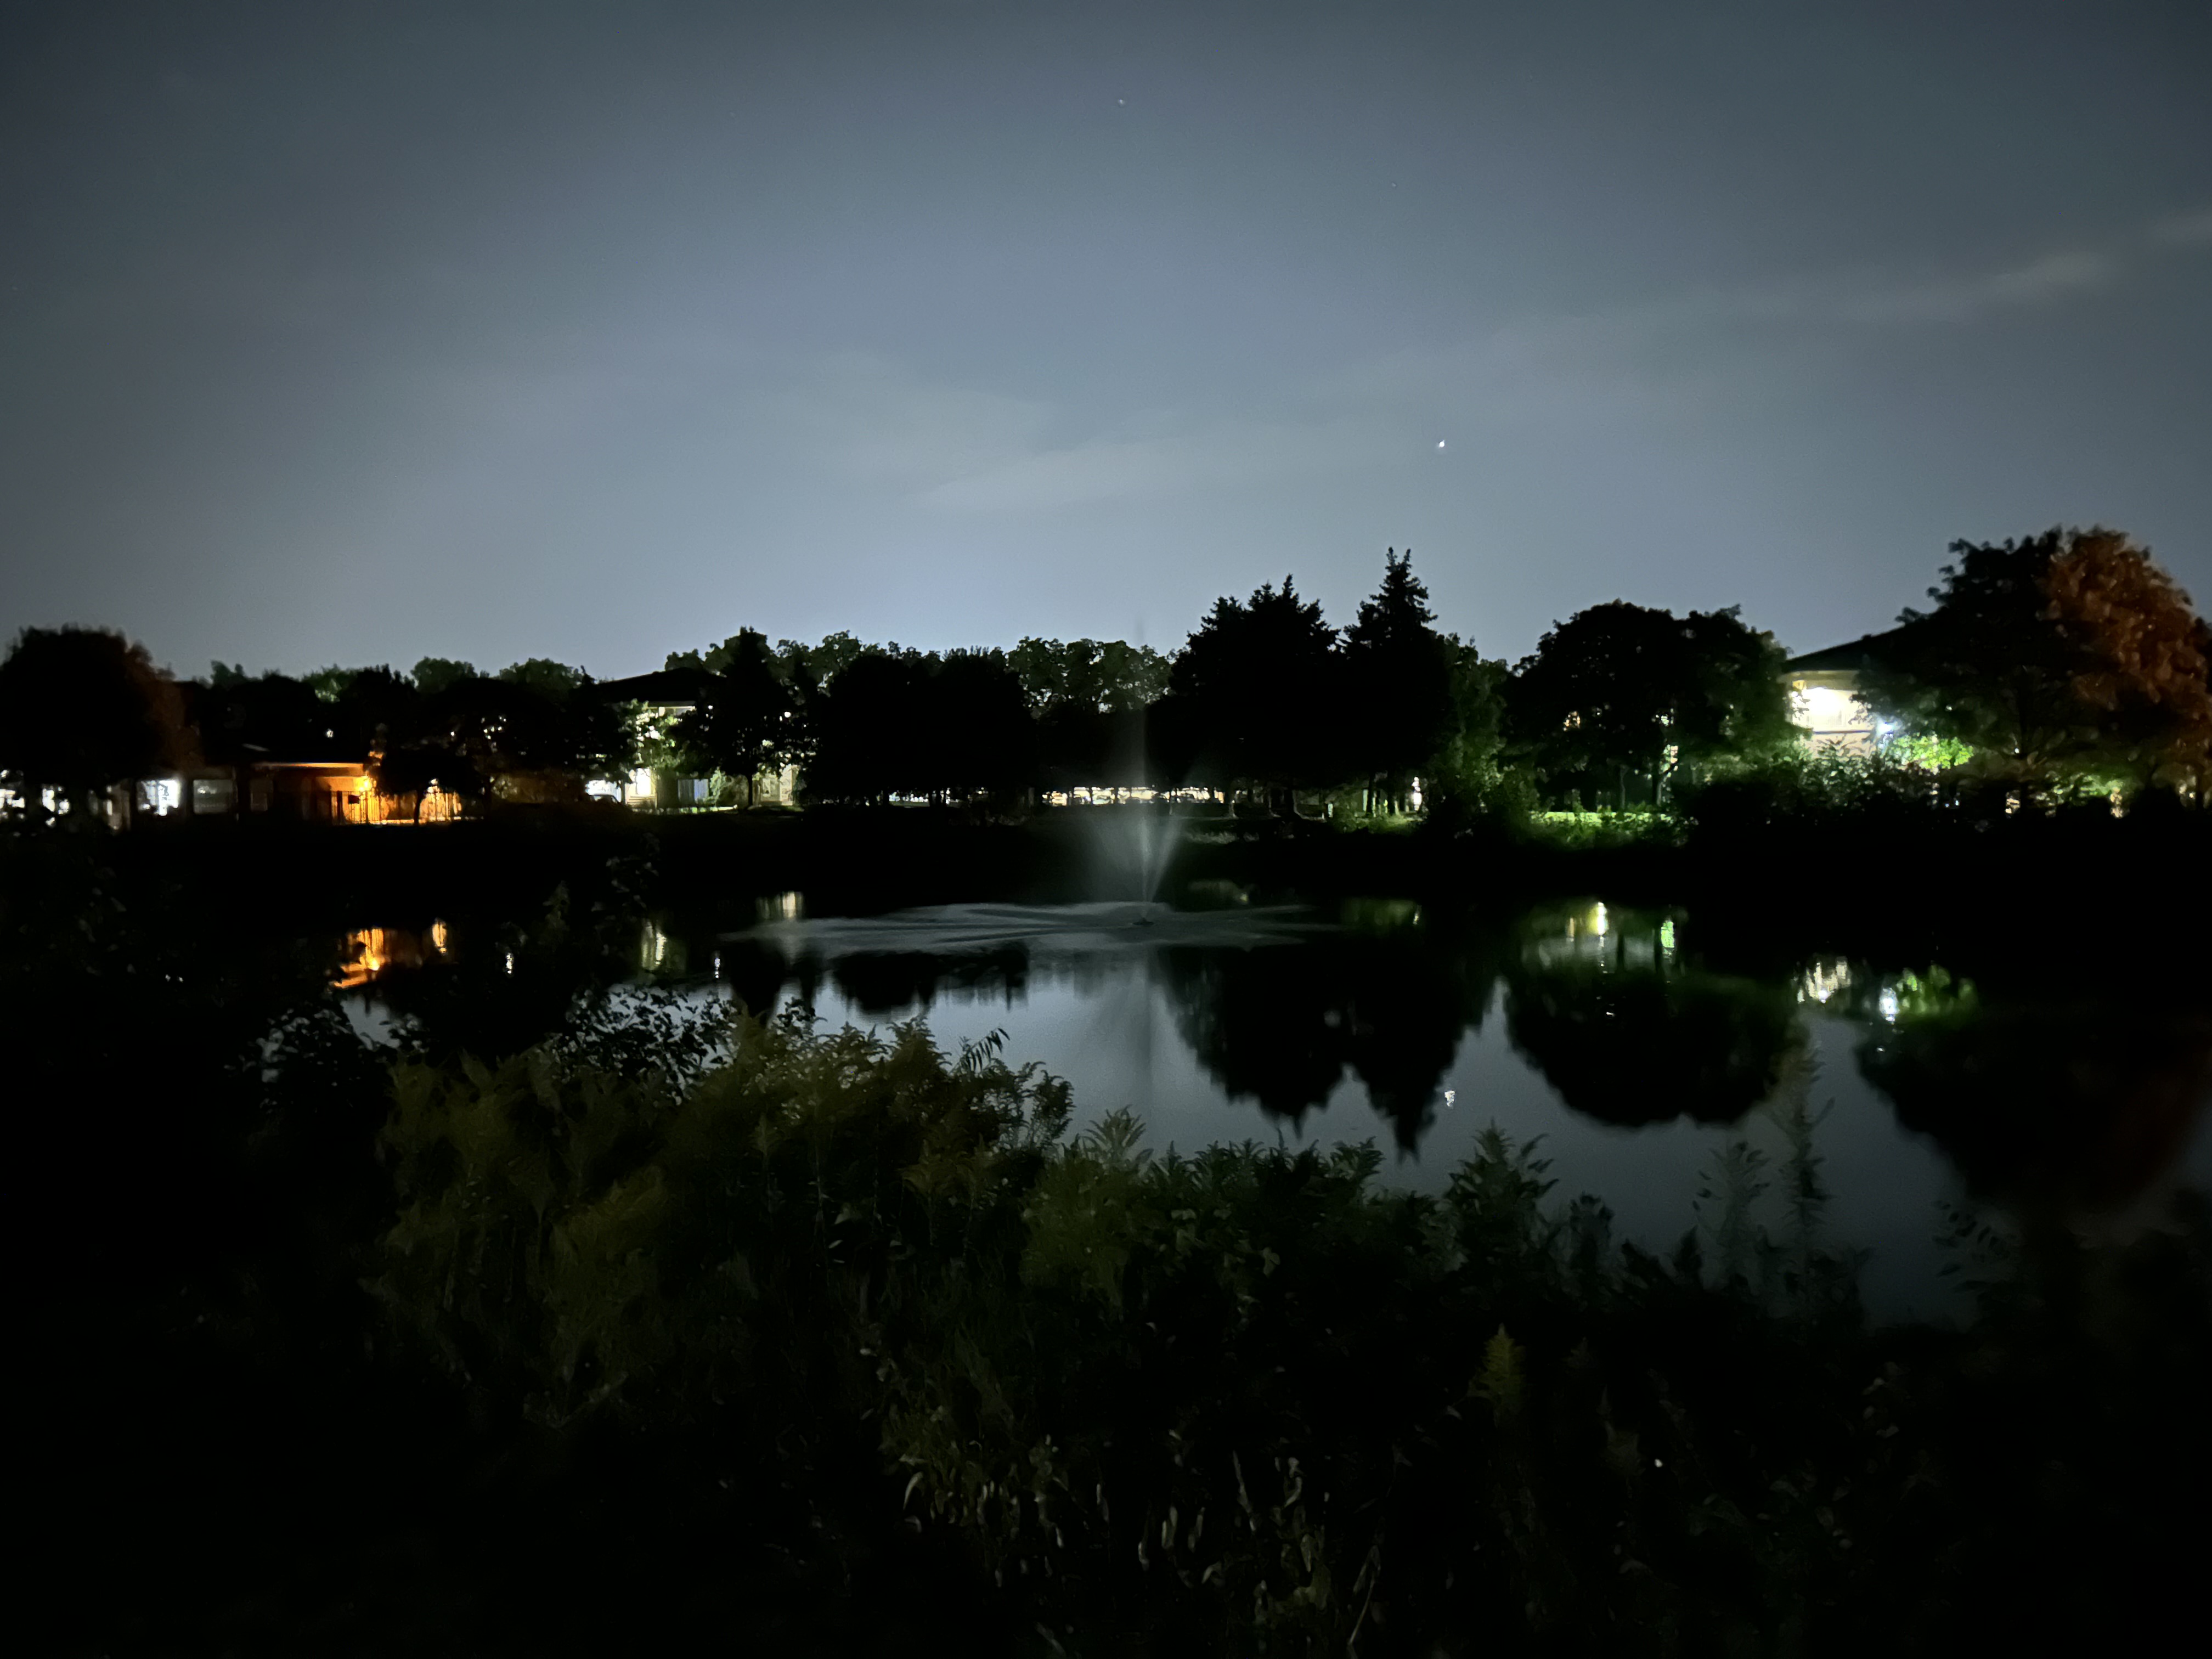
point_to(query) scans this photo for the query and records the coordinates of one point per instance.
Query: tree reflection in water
(2071, 1107)
(1631, 1031)
(1388, 999)
(2040, 1096)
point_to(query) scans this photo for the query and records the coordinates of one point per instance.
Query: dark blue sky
(360, 332)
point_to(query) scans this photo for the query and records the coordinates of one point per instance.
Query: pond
(1885, 1108)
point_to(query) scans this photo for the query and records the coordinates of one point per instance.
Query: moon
(1440, 443)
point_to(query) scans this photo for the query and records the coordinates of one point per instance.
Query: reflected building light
(510, 961)
(652, 949)
(1667, 935)
(1451, 1098)
(437, 938)
(1888, 1005)
(1598, 920)
(781, 907)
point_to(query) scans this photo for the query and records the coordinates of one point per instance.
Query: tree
(83, 710)
(1623, 690)
(945, 729)
(555, 680)
(271, 716)
(1088, 698)
(2066, 655)
(865, 729)
(981, 742)
(374, 704)
(539, 731)
(1466, 777)
(744, 723)
(1400, 680)
(820, 664)
(1258, 694)
(434, 674)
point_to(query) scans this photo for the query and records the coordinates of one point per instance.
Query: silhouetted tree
(83, 710)
(270, 717)
(979, 742)
(2062, 653)
(1399, 676)
(1621, 690)
(818, 664)
(434, 674)
(903, 722)
(1088, 698)
(374, 704)
(867, 728)
(1259, 695)
(745, 721)
(556, 681)
(530, 734)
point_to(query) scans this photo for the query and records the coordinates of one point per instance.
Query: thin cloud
(2184, 229)
(1113, 469)
(2045, 280)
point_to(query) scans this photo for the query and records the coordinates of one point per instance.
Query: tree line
(1266, 701)
(2068, 660)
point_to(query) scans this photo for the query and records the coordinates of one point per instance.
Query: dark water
(1678, 1084)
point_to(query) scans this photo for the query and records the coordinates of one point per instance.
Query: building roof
(668, 685)
(1868, 651)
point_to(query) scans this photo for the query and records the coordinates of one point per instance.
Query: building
(1824, 689)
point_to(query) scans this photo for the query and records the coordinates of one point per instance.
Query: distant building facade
(1825, 693)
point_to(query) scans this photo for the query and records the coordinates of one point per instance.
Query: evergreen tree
(1258, 694)
(1399, 672)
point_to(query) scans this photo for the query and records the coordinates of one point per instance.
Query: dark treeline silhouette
(2060, 666)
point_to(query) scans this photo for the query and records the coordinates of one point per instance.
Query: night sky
(357, 333)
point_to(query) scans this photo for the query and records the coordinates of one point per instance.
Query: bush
(1247, 1398)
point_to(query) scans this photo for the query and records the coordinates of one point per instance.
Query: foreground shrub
(1249, 1398)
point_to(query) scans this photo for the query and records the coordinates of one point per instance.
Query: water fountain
(1133, 844)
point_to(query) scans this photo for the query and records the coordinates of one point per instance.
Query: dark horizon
(498, 331)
